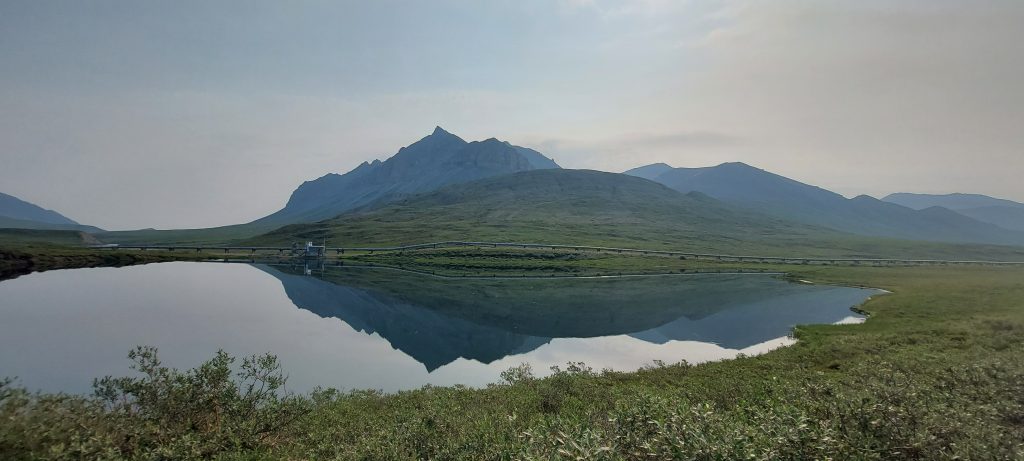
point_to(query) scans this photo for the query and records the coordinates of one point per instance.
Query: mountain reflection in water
(357, 328)
(437, 320)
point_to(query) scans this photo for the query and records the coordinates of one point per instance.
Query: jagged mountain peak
(438, 138)
(441, 133)
(491, 141)
(436, 160)
(739, 165)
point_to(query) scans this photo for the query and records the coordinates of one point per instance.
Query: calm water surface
(355, 328)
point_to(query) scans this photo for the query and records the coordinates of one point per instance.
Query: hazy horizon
(188, 114)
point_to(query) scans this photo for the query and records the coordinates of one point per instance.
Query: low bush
(201, 413)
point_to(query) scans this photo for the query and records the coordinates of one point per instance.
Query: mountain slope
(1003, 213)
(1006, 217)
(756, 189)
(19, 214)
(954, 202)
(13, 207)
(536, 159)
(564, 206)
(651, 171)
(12, 223)
(437, 160)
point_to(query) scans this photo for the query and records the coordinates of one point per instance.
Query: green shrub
(163, 414)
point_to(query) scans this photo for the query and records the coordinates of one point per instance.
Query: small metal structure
(314, 251)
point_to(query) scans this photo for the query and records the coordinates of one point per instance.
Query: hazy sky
(197, 113)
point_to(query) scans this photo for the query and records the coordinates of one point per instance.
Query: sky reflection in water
(372, 328)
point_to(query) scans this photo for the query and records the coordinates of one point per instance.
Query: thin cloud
(630, 150)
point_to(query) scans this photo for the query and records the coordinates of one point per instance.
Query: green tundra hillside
(596, 208)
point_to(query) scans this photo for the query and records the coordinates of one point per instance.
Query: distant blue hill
(16, 213)
(753, 188)
(13, 207)
(437, 160)
(651, 171)
(1001, 212)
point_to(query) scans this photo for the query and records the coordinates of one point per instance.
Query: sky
(188, 113)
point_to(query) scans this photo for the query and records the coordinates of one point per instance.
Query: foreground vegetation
(937, 372)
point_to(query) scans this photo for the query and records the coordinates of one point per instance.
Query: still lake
(354, 328)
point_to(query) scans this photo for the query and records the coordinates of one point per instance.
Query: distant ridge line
(456, 243)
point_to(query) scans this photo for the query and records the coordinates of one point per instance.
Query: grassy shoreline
(16, 261)
(937, 372)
